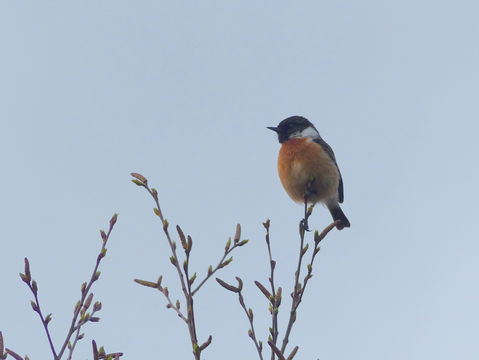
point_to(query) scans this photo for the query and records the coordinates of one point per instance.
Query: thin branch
(164, 290)
(5, 352)
(74, 326)
(13, 354)
(81, 306)
(32, 285)
(298, 290)
(276, 298)
(37, 308)
(276, 351)
(251, 332)
(221, 263)
(297, 285)
(172, 244)
(174, 260)
(84, 318)
(249, 312)
(173, 306)
(101, 354)
(317, 239)
(184, 271)
(190, 307)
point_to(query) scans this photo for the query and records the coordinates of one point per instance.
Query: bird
(307, 167)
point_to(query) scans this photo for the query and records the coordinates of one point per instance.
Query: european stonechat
(307, 167)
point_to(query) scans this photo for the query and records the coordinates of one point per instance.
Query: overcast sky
(182, 92)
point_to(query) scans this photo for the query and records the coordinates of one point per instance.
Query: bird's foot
(304, 224)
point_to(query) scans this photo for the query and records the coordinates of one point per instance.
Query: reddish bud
(190, 243)
(113, 220)
(206, 343)
(97, 306)
(240, 283)
(184, 244)
(266, 224)
(228, 286)
(27, 269)
(88, 301)
(263, 289)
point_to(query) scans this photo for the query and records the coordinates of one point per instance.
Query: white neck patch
(309, 132)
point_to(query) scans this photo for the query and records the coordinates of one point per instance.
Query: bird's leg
(304, 221)
(308, 194)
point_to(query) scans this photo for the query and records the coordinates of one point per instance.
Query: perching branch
(298, 289)
(274, 294)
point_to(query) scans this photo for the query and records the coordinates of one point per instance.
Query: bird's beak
(275, 129)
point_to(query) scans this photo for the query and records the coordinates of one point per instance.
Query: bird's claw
(304, 224)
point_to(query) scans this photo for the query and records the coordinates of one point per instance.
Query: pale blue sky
(182, 92)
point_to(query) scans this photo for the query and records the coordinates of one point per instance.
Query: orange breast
(304, 165)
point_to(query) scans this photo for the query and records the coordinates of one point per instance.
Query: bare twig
(298, 289)
(317, 239)
(85, 291)
(297, 285)
(274, 294)
(142, 181)
(13, 354)
(184, 275)
(276, 299)
(249, 313)
(2, 348)
(222, 263)
(101, 353)
(276, 351)
(5, 352)
(80, 308)
(84, 318)
(166, 293)
(32, 285)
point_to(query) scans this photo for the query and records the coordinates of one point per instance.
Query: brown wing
(330, 152)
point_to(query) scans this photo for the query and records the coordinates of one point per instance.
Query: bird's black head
(294, 127)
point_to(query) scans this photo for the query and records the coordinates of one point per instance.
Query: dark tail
(338, 214)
